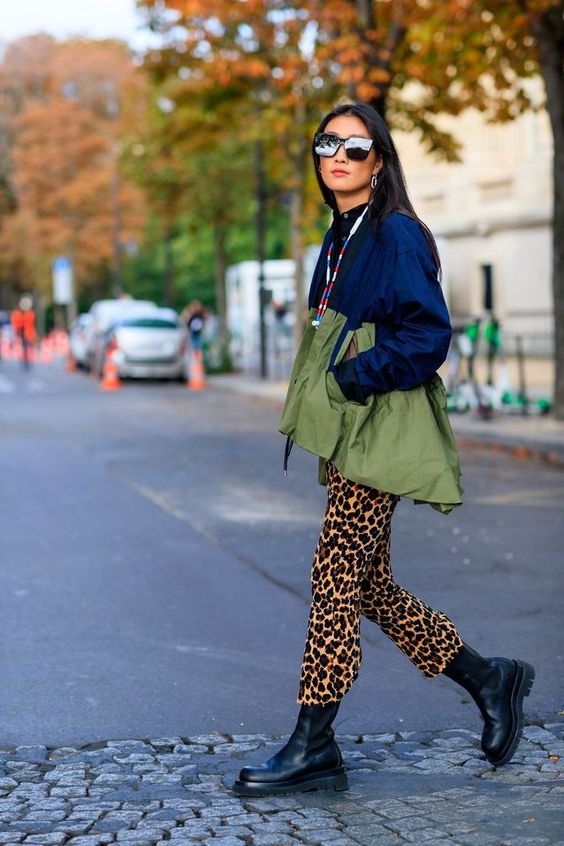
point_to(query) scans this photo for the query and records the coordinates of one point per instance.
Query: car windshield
(109, 312)
(149, 323)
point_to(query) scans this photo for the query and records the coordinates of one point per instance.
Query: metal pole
(261, 249)
(113, 110)
(116, 228)
(523, 398)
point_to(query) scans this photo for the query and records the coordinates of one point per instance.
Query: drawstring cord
(287, 451)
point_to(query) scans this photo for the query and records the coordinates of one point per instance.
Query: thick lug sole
(522, 685)
(327, 780)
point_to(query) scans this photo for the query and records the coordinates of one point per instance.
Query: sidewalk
(430, 787)
(536, 437)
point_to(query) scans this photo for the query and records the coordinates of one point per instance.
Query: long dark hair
(390, 194)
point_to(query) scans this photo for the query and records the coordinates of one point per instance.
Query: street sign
(62, 280)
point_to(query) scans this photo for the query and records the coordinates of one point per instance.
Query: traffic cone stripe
(111, 380)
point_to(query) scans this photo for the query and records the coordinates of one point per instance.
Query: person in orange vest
(23, 324)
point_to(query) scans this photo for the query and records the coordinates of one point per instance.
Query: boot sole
(522, 685)
(329, 780)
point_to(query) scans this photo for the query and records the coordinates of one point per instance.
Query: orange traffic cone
(45, 354)
(197, 380)
(111, 380)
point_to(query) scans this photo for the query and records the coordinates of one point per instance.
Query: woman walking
(365, 397)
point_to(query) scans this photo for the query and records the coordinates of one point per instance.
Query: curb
(553, 456)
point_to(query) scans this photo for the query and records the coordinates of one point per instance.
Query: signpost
(63, 286)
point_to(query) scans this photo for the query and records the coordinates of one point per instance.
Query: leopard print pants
(351, 575)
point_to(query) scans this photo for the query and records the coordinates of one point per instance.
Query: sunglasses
(357, 148)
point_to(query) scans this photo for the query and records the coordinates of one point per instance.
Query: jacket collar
(343, 223)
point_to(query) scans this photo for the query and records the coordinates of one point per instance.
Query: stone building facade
(493, 209)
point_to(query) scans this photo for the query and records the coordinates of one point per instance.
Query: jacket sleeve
(413, 330)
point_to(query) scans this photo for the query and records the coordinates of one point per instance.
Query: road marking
(544, 498)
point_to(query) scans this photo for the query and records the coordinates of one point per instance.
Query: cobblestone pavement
(431, 787)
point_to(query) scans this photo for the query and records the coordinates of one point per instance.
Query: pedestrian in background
(194, 316)
(23, 324)
(365, 397)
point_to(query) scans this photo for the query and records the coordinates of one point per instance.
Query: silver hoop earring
(374, 181)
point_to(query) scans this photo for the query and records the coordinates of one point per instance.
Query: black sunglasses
(356, 147)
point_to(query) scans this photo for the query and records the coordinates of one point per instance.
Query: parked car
(151, 345)
(78, 338)
(105, 313)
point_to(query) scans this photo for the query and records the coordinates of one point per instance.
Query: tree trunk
(297, 253)
(117, 269)
(300, 162)
(260, 189)
(220, 266)
(168, 275)
(548, 29)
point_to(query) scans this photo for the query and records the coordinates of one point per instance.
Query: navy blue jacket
(393, 283)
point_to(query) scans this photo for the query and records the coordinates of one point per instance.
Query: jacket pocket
(314, 422)
(365, 337)
(334, 393)
(352, 349)
(349, 345)
(343, 343)
(352, 342)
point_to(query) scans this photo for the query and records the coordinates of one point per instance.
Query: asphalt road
(154, 576)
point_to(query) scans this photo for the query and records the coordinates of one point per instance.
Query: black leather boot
(310, 759)
(498, 686)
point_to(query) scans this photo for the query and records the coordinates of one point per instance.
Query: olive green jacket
(398, 441)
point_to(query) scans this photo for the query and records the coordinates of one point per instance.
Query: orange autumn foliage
(68, 107)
